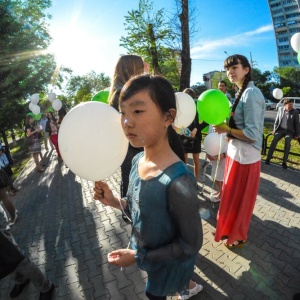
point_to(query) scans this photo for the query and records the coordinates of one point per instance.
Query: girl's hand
(221, 128)
(121, 257)
(104, 194)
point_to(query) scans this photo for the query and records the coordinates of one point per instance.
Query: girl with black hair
(162, 195)
(243, 160)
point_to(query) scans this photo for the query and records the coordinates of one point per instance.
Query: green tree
(82, 88)
(289, 77)
(25, 66)
(148, 35)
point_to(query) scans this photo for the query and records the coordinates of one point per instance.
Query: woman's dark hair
(61, 114)
(229, 62)
(27, 119)
(52, 114)
(162, 94)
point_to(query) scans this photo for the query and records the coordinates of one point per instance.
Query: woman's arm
(29, 132)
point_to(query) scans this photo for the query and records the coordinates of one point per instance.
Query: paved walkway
(69, 235)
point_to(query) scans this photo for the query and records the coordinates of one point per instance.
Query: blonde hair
(126, 67)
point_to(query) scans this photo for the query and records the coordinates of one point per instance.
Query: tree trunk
(153, 51)
(186, 62)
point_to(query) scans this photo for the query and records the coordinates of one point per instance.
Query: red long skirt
(54, 140)
(239, 192)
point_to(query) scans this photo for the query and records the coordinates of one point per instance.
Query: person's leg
(8, 204)
(152, 297)
(186, 157)
(277, 137)
(197, 165)
(27, 270)
(218, 185)
(36, 160)
(287, 147)
(45, 137)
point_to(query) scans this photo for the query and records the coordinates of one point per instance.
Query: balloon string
(217, 166)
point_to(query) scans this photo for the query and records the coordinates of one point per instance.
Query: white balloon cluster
(35, 98)
(56, 103)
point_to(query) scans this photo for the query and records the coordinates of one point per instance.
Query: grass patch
(293, 160)
(20, 155)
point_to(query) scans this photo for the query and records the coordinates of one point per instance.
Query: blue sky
(87, 33)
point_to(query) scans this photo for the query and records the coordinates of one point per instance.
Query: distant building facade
(286, 22)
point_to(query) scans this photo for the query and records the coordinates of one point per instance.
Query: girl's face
(30, 120)
(237, 73)
(143, 123)
(49, 116)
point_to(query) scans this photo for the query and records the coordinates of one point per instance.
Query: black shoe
(17, 289)
(284, 165)
(47, 295)
(267, 161)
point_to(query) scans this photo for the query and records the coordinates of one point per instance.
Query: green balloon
(213, 107)
(205, 129)
(50, 109)
(101, 96)
(35, 117)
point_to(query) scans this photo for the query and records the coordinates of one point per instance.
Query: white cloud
(208, 48)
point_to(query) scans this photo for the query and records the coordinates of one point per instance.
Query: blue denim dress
(166, 226)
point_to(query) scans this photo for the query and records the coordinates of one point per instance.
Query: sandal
(40, 170)
(236, 244)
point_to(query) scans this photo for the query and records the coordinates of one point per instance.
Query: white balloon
(186, 110)
(213, 143)
(56, 104)
(31, 106)
(91, 140)
(51, 96)
(36, 109)
(277, 93)
(295, 42)
(35, 98)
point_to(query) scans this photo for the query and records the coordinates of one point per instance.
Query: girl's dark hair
(162, 94)
(229, 62)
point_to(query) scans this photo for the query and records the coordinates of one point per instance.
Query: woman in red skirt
(242, 170)
(52, 128)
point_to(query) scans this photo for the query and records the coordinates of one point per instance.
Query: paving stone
(69, 234)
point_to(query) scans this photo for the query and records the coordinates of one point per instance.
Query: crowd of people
(158, 193)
